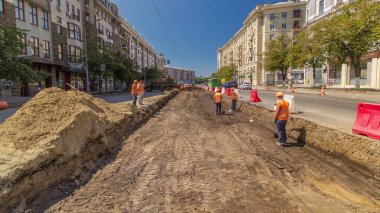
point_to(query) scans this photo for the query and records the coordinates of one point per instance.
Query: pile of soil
(53, 126)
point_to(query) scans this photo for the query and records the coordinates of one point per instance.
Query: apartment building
(56, 36)
(67, 23)
(245, 50)
(180, 75)
(341, 75)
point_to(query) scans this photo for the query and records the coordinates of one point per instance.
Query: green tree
(307, 50)
(99, 60)
(122, 68)
(225, 72)
(151, 73)
(11, 66)
(351, 32)
(278, 55)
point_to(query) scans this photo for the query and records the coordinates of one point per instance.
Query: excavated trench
(187, 159)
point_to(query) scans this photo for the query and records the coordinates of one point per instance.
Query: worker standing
(134, 91)
(281, 117)
(233, 98)
(218, 102)
(141, 89)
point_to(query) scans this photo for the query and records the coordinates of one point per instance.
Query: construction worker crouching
(281, 117)
(233, 98)
(134, 91)
(218, 102)
(141, 90)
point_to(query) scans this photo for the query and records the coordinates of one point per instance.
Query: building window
(35, 46)
(59, 30)
(284, 15)
(67, 7)
(74, 31)
(1, 6)
(59, 5)
(87, 17)
(19, 9)
(45, 20)
(271, 27)
(60, 56)
(74, 54)
(23, 49)
(271, 36)
(296, 13)
(307, 15)
(33, 15)
(46, 49)
(297, 24)
(321, 6)
(78, 14)
(283, 26)
(272, 17)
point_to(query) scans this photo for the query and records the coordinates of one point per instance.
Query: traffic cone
(322, 92)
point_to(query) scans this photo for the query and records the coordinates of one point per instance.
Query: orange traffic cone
(322, 92)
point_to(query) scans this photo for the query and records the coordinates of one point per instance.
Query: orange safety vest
(141, 87)
(134, 90)
(283, 106)
(233, 95)
(218, 97)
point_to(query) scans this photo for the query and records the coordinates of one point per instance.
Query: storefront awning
(74, 67)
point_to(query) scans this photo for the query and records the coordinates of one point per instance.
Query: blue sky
(196, 28)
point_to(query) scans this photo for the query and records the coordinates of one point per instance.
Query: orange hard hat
(135, 81)
(279, 94)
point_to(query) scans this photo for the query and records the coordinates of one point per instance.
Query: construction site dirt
(187, 159)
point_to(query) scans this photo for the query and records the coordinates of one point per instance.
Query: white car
(245, 85)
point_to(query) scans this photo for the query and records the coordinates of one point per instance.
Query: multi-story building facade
(245, 50)
(180, 75)
(56, 36)
(341, 75)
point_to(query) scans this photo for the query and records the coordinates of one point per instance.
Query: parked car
(245, 85)
(229, 84)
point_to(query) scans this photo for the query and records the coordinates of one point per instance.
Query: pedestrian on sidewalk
(134, 91)
(233, 98)
(141, 89)
(281, 118)
(218, 102)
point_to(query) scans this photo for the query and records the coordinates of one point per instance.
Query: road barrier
(223, 90)
(368, 120)
(292, 104)
(228, 91)
(213, 89)
(254, 96)
(216, 89)
(3, 105)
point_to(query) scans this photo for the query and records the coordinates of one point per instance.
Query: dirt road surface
(187, 159)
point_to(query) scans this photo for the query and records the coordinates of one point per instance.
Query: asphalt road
(336, 110)
(111, 98)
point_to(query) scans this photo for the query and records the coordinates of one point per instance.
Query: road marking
(354, 96)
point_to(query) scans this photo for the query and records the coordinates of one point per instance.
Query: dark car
(229, 84)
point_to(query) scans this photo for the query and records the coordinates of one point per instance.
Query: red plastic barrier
(368, 120)
(254, 96)
(213, 89)
(3, 105)
(219, 90)
(228, 91)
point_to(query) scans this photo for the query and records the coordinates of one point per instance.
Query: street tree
(99, 61)
(225, 72)
(308, 50)
(351, 32)
(11, 66)
(122, 68)
(278, 56)
(151, 73)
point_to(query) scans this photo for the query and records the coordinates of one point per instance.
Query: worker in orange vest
(218, 102)
(141, 89)
(134, 91)
(233, 98)
(281, 117)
